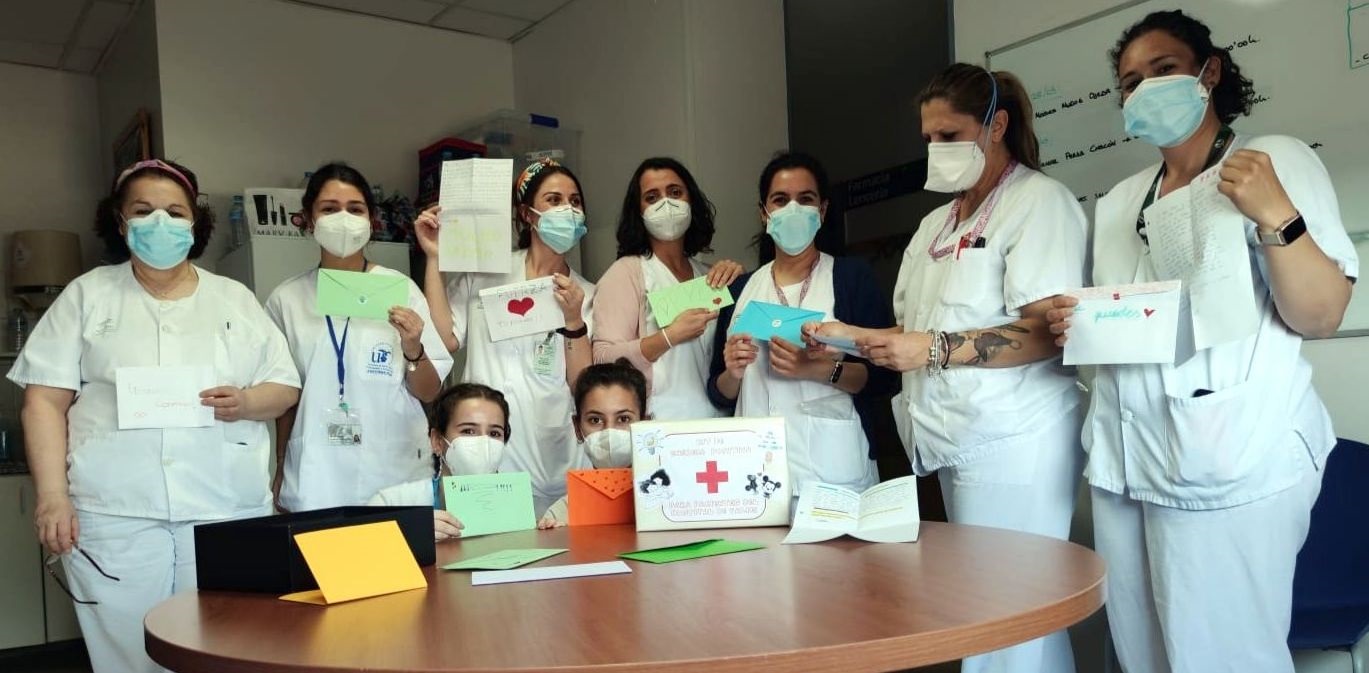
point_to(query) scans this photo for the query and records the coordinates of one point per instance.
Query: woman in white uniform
(122, 503)
(985, 402)
(359, 426)
(666, 222)
(823, 400)
(1204, 472)
(534, 372)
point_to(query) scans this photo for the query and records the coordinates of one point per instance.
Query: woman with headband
(535, 372)
(117, 499)
(985, 403)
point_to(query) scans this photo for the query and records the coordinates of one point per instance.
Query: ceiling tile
(45, 21)
(100, 24)
(413, 11)
(480, 23)
(532, 10)
(30, 53)
(83, 59)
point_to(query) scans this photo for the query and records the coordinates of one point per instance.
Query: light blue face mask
(794, 227)
(560, 227)
(160, 240)
(1166, 111)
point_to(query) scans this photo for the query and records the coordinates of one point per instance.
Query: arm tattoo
(988, 343)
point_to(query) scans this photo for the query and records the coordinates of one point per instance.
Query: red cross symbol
(711, 476)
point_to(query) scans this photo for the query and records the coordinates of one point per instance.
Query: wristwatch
(574, 334)
(836, 373)
(1286, 233)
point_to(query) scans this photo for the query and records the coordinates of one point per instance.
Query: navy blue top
(858, 302)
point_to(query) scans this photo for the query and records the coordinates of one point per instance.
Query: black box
(260, 554)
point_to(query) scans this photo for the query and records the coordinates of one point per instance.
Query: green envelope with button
(353, 294)
(763, 320)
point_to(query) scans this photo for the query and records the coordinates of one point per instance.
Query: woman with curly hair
(1203, 472)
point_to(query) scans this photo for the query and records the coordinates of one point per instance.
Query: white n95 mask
(954, 167)
(609, 448)
(667, 219)
(342, 234)
(474, 455)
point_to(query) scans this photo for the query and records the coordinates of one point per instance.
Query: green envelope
(504, 559)
(692, 550)
(354, 294)
(490, 503)
(667, 304)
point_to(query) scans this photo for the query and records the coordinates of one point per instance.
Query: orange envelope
(596, 497)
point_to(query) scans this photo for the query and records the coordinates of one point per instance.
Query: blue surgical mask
(1166, 111)
(794, 227)
(560, 227)
(160, 240)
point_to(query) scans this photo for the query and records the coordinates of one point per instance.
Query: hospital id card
(343, 426)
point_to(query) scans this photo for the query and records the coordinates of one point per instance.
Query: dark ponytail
(969, 89)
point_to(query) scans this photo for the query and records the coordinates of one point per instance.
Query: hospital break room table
(841, 605)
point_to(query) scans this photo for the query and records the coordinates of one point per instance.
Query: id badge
(343, 426)
(544, 356)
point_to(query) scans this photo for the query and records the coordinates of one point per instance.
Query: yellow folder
(357, 562)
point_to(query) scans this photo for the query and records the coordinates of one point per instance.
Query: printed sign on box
(719, 473)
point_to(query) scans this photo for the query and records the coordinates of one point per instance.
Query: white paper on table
(520, 309)
(1124, 324)
(163, 397)
(885, 512)
(482, 577)
(1197, 236)
(476, 217)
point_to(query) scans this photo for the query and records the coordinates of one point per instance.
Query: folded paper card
(668, 303)
(475, 233)
(693, 550)
(549, 573)
(357, 562)
(360, 295)
(506, 559)
(1124, 324)
(717, 473)
(596, 497)
(885, 512)
(763, 320)
(847, 346)
(490, 503)
(163, 397)
(520, 309)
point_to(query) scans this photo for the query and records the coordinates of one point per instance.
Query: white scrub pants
(1029, 487)
(1203, 591)
(152, 558)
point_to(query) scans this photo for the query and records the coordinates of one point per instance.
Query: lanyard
(1214, 155)
(339, 348)
(953, 217)
(803, 291)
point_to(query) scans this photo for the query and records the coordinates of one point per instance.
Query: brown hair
(970, 90)
(445, 405)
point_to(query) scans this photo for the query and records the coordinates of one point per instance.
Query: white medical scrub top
(1148, 435)
(394, 430)
(679, 378)
(542, 442)
(105, 320)
(824, 439)
(1035, 242)
(416, 493)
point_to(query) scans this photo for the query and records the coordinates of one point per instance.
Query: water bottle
(18, 330)
(237, 221)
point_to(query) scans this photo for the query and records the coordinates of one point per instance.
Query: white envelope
(521, 309)
(163, 397)
(1124, 324)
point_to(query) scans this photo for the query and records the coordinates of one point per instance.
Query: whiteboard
(1309, 60)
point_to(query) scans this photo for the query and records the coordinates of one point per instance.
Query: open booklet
(885, 512)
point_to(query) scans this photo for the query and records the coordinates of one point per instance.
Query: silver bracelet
(934, 355)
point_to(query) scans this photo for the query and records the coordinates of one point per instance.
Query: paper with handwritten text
(476, 216)
(490, 503)
(163, 397)
(1124, 324)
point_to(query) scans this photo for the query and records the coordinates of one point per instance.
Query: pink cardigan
(620, 315)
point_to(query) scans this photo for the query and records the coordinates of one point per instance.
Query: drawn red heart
(1149, 311)
(1116, 296)
(520, 306)
(717, 300)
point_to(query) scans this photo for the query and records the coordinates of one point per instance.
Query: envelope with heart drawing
(521, 309)
(1124, 324)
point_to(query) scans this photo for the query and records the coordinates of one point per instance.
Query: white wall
(256, 92)
(129, 80)
(49, 151)
(699, 80)
(1341, 366)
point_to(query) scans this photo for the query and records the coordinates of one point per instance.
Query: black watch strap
(574, 334)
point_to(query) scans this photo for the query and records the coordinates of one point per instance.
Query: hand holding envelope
(354, 294)
(1124, 324)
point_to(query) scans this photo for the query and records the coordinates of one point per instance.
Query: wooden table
(843, 605)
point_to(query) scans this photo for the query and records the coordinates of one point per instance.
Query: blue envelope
(763, 320)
